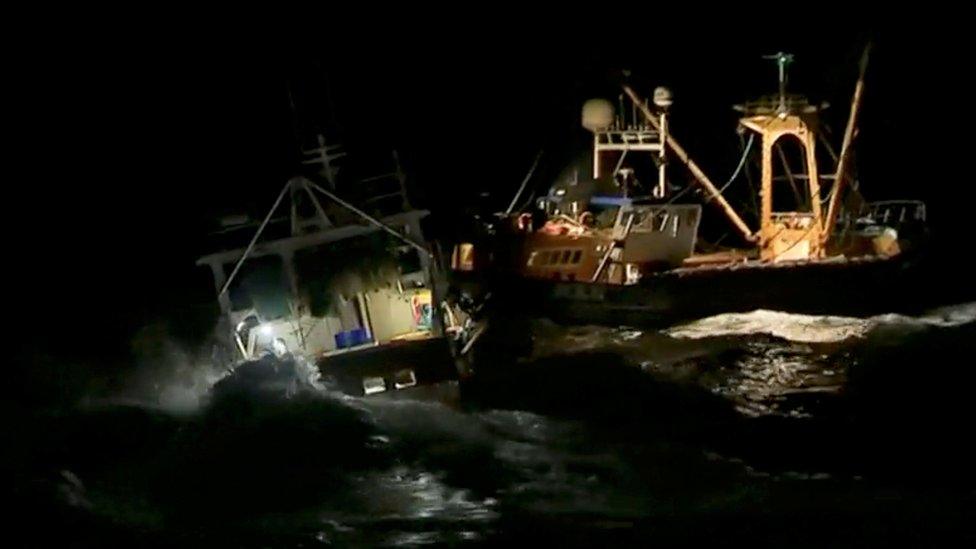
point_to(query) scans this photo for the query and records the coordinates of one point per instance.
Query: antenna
(782, 60)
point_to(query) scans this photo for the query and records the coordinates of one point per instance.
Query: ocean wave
(803, 328)
(944, 317)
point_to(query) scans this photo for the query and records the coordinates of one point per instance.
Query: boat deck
(733, 263)
(717, 258)
(410, 336)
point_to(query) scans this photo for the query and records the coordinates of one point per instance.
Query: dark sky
(134, 139)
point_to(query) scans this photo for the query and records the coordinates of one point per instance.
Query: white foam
(943, 317)
(814, 328)
(790, 326)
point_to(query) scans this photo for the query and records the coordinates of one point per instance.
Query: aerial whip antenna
(783, 60)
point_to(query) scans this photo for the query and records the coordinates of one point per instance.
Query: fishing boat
(342, 292)
(623, 246)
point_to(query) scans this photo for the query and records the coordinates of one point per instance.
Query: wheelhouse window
(553, 258)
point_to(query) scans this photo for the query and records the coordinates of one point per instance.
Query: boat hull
(423, 369)
(855, 287)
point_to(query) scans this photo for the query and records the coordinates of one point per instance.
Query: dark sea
(761, 428)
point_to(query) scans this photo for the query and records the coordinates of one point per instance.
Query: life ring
(524, 221)
(586, 218)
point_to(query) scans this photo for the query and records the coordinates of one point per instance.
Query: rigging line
(753, 191)
(528, 201)
(742, 162)
(525, 181)
(254, 239)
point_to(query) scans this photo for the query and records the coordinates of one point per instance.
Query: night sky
(133, 140)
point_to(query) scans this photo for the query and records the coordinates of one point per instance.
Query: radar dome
(662, 97)
(597, 114)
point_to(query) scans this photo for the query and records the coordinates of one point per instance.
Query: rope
(742, 162)
(735, 174)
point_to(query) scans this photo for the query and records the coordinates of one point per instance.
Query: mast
(782, 61)
(842, 160)
(786, 235)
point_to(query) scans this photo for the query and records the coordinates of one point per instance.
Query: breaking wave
(814, 328)
(603, 433)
